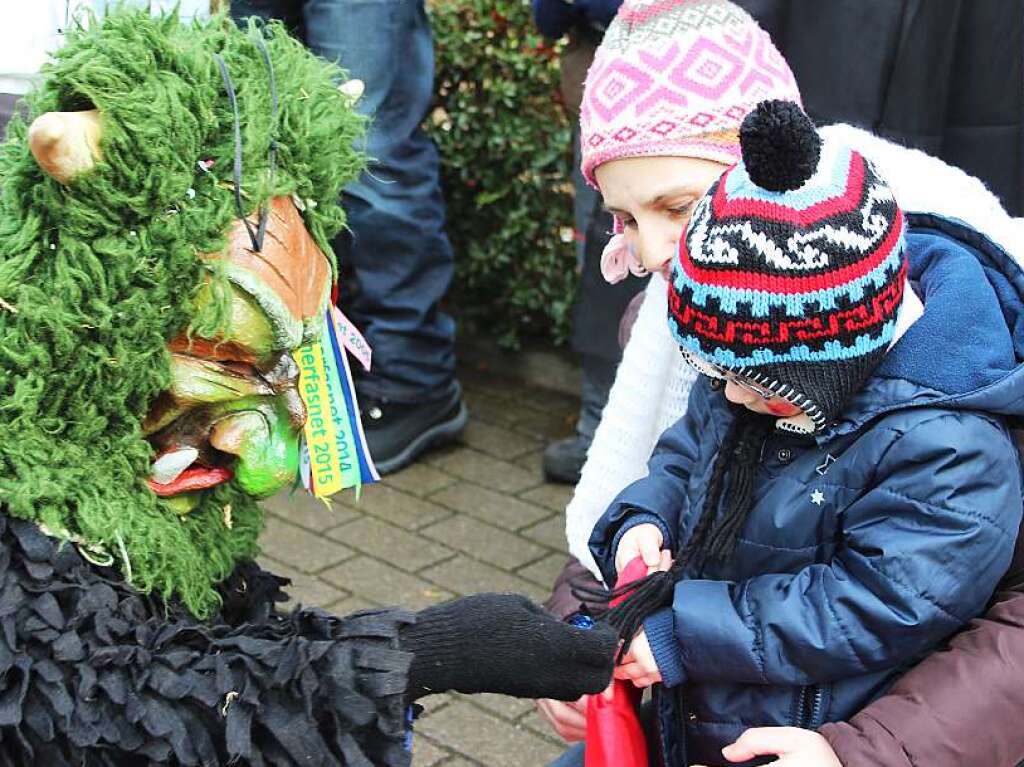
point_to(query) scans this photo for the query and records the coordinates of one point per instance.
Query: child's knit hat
(676, 78)
(792, 267)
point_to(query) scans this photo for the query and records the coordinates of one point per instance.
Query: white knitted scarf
(653, 382)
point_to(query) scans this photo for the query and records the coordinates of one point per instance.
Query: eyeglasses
(711, 370)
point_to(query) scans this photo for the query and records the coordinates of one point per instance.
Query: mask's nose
(264, 437)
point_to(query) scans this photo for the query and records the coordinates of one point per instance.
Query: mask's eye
(241, 369)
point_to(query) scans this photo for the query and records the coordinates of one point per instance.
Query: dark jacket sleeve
(659, 496)
(935, 713)
(90, 666)
(562, 603)
(600, 12)
(555, 17)
(921, 554)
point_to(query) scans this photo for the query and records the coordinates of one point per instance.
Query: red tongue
(784, 409)
(195, 478)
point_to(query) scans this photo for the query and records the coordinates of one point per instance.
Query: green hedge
(506, 156)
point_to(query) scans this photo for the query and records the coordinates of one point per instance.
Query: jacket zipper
(815, 696)
(808, 707)
(801, 707)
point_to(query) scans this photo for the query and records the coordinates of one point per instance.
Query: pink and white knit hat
(676, 78)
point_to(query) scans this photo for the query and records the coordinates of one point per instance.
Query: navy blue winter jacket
(556, 17)
(869, 544)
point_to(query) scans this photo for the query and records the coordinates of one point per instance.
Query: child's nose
(737, 395)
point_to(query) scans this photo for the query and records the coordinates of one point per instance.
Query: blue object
(409, 716)
(401, 259)
(555, 18)
(869, 543)
(573, 757)
(581, 621)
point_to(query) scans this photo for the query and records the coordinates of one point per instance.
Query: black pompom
(780, 146)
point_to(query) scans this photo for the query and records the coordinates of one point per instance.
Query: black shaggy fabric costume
(94, 673)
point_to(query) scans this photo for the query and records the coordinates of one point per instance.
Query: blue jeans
(571, 758)
(397, 253)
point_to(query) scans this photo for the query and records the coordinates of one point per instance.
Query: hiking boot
(397, 433)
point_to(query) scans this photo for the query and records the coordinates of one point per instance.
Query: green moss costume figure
(148, 399)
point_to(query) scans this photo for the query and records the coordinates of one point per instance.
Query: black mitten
(504, 643)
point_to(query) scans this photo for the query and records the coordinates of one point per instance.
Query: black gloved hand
(504, 643)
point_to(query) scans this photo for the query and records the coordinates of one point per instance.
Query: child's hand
(640, 541)
(794, 747)
(569, 720)
(638, 665)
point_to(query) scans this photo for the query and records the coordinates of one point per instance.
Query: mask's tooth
(170, 465)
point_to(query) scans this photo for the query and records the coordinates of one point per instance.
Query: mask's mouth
(180, 470)
(221, 421)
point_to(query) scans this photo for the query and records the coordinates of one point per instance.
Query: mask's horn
(66, 144)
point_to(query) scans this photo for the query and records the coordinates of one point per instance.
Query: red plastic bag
(614, 735)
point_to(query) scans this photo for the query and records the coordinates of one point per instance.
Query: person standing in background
(396, 249)
(594, 332)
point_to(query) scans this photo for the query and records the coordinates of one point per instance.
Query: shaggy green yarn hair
(97, 276)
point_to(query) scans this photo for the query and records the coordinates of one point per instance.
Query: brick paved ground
(476, 517)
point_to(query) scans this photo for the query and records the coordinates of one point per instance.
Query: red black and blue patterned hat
(792, 267)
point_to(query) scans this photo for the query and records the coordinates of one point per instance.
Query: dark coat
(944, 76)
(867, 546)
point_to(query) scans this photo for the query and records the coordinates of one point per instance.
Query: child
(842, 493)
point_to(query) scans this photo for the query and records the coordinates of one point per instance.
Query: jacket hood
(967, 350)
